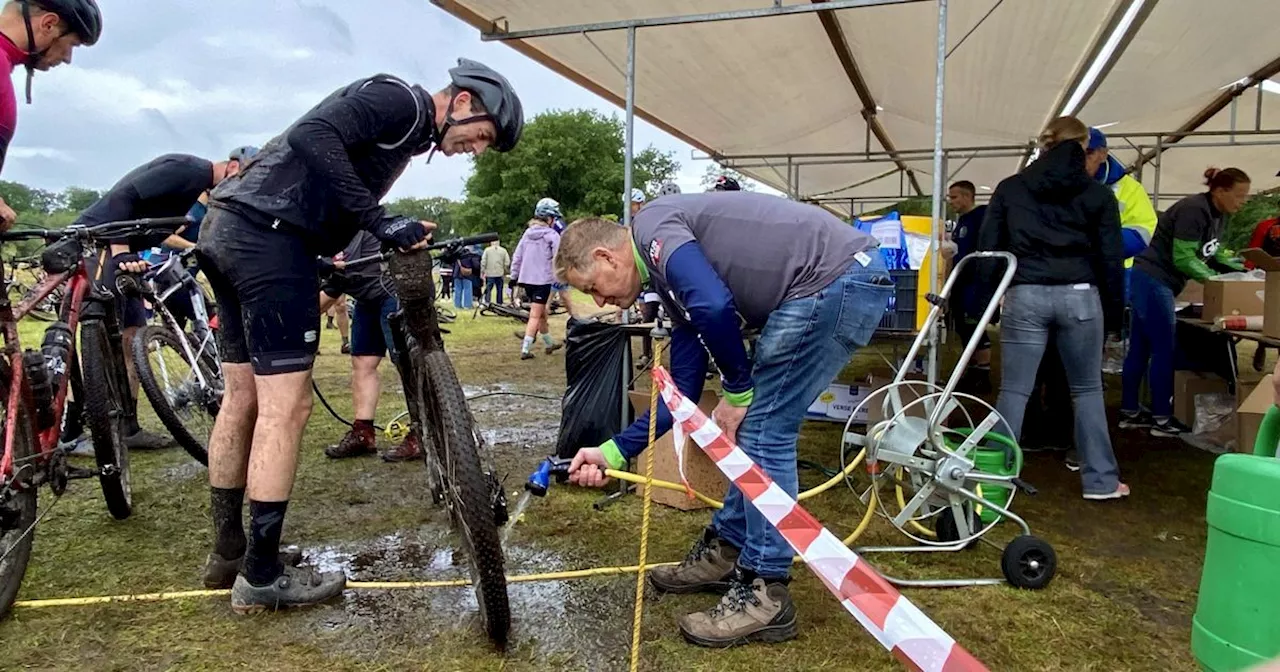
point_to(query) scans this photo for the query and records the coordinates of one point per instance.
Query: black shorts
(538, 294)
(371, 329)
(266, 286)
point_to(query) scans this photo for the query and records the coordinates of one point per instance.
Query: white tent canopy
(859, 81)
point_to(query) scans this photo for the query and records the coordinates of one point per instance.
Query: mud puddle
(578, 623)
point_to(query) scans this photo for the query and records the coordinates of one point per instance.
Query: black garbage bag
(592, 406)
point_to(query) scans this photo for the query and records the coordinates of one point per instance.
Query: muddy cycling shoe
(144, 440)
(755, 611)
(708, 567)
(408, 450)
(526, 355)
(295, 587)
(356, 442)
(220, 572)
(553, 347)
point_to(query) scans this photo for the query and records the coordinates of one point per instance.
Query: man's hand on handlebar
(405, 233)
(130, 262)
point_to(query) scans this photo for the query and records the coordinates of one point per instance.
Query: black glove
(403, 232)
(124, 258)
(325, 267)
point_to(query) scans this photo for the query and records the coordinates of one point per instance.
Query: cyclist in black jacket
(1064, 229)
(306, 194)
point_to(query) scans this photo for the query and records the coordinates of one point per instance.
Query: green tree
(1240, 226)
(436, 209)
(24, 199)
(715, 171)
(574, 156)
(78, 199)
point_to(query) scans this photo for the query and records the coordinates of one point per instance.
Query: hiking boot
(295, 587)
(1169, 428)
(409, 449)
(759, 611)
(553, 347)
(220, 572)
(145, 440)
(1136, 420)
(526, 355)
(356, 442)
(707, 568)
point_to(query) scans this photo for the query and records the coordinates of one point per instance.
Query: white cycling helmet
(668, 188)
(547, 207)
(637, 196)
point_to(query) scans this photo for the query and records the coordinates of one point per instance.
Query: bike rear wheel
(17, 508)
(185, 406)
(468, 488)
(105, 385)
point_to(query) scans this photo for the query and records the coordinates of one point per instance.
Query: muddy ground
(1123, 598)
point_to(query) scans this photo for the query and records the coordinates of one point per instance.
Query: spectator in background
(966, 307)
(466, 270)
(637, 201)
(532, 269)
(1187, 246)
(495, 263)
(446, 281)
(548, 210)
(1137, 215)
(1064, 228)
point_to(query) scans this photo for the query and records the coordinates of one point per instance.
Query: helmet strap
(450, 122)
(32, 54)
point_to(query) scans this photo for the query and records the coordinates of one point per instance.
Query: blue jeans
(461, 292)
(1151, 338)
(1073, 314)
(490, 284)
(803, 346)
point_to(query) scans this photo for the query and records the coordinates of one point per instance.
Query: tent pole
(626, 199)
(939, 95)
(1155, 196)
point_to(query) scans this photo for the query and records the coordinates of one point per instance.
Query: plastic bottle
(56, 349)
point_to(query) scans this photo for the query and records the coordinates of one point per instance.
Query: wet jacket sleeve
(689, 370)
(991, 238)
(713, 313)
(1111, 264)
(380, 112)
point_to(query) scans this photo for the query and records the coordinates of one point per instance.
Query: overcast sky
(201, 77)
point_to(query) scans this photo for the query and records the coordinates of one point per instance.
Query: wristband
(740, 399)
(613, 455)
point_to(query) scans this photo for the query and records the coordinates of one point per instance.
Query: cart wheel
(1029, 562)
(949, 532)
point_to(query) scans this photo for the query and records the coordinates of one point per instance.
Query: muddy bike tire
(105, 384)
(196, 446)
(19, 510)
(467, 489)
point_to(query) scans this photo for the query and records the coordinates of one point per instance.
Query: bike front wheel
(186, 405)
(467, 486)
(17, 501)
(105, 385)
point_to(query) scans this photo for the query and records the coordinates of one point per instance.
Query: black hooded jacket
(1063, 227)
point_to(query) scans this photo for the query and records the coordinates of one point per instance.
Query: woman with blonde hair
(1064, 228)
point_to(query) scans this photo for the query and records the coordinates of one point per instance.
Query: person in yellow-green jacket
(1187, 246)
(1137, 215)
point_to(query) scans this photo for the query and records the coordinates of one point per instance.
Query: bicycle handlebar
(100, 232)
(452, 243)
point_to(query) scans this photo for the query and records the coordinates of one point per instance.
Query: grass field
(1123, 599)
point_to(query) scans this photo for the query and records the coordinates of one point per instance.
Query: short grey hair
(581, 238)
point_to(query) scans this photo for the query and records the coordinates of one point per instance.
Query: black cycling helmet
(81, 16)
(242, 154)
(495, 94)
(726, 183)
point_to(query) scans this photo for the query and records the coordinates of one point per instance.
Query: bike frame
(77, 282)
(200, 325)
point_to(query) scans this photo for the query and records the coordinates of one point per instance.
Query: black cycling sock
(228, 522)
(262, 561)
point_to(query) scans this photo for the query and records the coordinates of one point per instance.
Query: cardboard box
(704, 476)
(1271, 299)
(1188, 384)
(837, 402)
(1193, 294)
(1223, 298)
(1249, 414)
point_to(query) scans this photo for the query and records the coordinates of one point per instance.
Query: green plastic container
(998, 462)
(1237, 620)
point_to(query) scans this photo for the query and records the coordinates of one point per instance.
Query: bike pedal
(1025, 486)
(74, 472)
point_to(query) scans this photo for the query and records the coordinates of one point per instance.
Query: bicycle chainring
(57, 473)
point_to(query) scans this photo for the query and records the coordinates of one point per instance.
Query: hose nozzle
(540, 480)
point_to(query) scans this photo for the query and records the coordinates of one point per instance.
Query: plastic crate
(900, 316)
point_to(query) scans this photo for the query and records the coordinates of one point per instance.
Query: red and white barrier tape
(892, 619)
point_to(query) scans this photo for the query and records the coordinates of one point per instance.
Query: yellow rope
(658, 349)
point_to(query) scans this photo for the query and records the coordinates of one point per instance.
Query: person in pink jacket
(531, 267)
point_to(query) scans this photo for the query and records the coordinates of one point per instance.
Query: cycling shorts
(538, 294)
(266, 284)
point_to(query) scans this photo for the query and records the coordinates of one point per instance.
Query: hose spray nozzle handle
(540, 479)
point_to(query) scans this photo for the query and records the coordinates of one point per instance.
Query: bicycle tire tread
(455, 438)
(14, 567)
(159, 402)
(108, 441)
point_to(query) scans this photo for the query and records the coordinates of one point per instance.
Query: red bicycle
(34, 386)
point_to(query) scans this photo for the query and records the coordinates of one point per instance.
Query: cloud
(203, 77)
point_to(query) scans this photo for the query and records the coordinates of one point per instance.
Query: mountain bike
(460, 472)
(34, 386)
(179, 370)
(47, 309)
